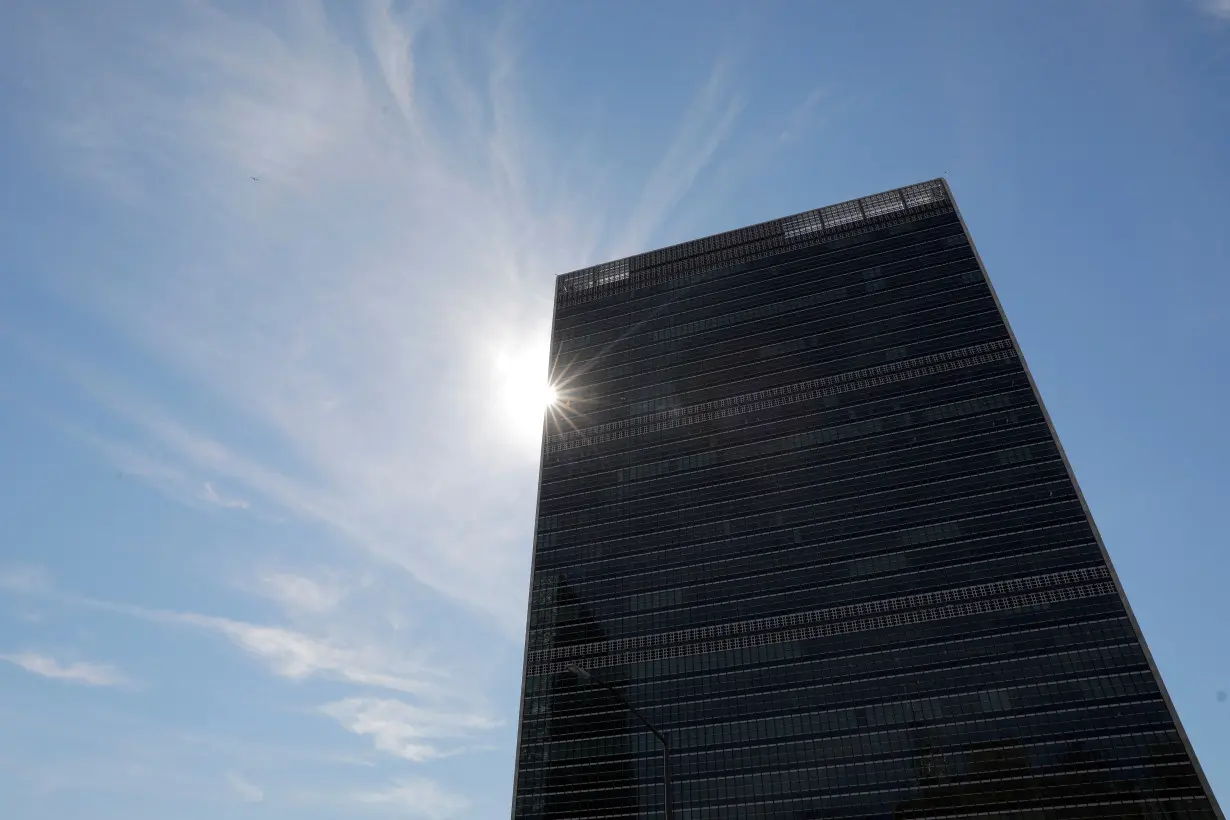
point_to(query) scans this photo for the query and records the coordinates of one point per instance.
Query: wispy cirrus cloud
(433, 716)
(247, 791)
(708, 121)
(80, 672)
(1218, 8)
(362, 344)
(417, 797)
(25, 579)
(407, 731)
(801, 118)
(286, 652)
(296, 655)
(214, 497)
(298, 593)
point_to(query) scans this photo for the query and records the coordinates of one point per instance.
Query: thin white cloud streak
(706, 124)
(214, 497)
(1217, 8)
(406, 731)
(417, 797)
(296, 655)
(88, 674)
(248, 792)
(801, 118)
(299, 594)
(391, 44)
(178, 479)
(442, 723)
(286, 652)
(25, 579)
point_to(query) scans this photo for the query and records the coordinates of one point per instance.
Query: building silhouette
(801, 503)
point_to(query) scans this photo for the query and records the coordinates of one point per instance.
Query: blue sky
(269, 446)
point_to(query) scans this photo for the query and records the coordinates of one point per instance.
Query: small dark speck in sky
(1221, 697)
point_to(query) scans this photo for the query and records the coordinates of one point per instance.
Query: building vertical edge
(1080, 495)
(529, 592)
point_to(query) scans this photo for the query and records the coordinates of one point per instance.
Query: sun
(523, 393)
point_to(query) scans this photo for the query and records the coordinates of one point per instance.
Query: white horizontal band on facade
(1051, 579)
(945, 612)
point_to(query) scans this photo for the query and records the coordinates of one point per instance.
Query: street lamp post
(585, 674)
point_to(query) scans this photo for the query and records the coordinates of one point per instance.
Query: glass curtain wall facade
(801, 504)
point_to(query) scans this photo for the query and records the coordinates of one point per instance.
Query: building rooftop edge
(735, 235)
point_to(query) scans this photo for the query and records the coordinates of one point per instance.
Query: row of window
(748, 411)
(660, 272)
(932, 389)
(791, 392)
(939, 737)
(885, 512)
(742, 433)
(1076, 538)
(604, 380)
(769, 451)
(907, 465)
(983, 764)
(775, 506)
(797, 393)
(919, 287)
(857, 661)
(731, 647)
(707, 290)
(841, 454)
(866, 692)
(1014, 612)
(822, 544)
(817, 594)
(811, 545)
(1127, 803)
(797, 591)
(905, 385)
(616, 724)
(583, 565)
(790, 508)
(1061, 805)
(1026, 697)
(906, 299)
(994, 442)
(667, 396)
(877, 278)
(1076, 548)
(770, 265)
(1150, 762)
(716, 257)
(987, 440)
(1060, 573)
(690, 386)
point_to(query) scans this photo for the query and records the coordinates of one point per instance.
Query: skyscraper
(801, 504)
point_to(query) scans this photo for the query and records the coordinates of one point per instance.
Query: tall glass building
(801, 504)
